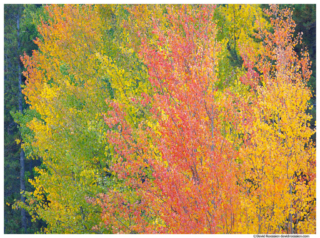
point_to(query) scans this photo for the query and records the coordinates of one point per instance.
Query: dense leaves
(169, 119)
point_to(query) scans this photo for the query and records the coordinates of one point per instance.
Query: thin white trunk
(22, 156)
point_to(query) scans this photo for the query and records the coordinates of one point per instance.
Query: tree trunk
(22, 157)
(290, 215)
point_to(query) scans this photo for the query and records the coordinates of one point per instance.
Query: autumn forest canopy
(166, 119)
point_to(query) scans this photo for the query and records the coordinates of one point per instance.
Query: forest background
(23, 123)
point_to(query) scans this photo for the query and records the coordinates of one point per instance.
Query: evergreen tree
(19, 32)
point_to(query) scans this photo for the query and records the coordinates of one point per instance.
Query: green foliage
(67, 88)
